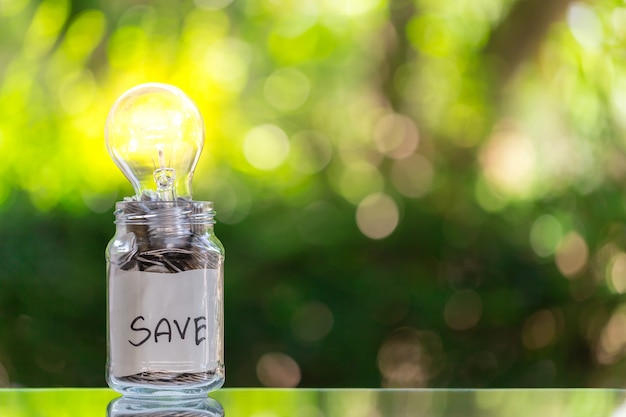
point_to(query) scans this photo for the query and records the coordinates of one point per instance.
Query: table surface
(321, 403)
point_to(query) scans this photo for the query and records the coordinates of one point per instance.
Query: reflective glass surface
(321, 403)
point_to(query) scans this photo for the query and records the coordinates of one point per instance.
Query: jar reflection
(190, 407)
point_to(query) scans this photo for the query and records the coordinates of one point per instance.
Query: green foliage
(410, 193)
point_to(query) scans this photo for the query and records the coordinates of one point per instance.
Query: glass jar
(187, 407)
(165, 300)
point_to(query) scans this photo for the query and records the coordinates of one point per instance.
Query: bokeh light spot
(202, 27)
(585, 25)
(539, 330)
(287, 89)
(612, 342)
(431, 35)
(312, 322)
(463, 310)
(545, 235)
(403, 361)
(489, 198)
(396, 136)
(266, 147)
(572, 254)
(412, 176)
(356, 184)
(377, 216)
(226, 61)
(508, 161)
(278, 370)
(357, 155)
(618, 101)
(616, 276)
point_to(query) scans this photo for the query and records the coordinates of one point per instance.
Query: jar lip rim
(165, 202)
(189, 211)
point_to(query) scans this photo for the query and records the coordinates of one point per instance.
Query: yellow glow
(226, 61)
(151, 129)
(66, 74)
(201, 29)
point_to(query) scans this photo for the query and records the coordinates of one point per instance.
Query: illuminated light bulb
(155, 134)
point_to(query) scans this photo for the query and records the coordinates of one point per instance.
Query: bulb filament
(165, 179)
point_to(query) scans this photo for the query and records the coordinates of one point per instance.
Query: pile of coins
(169, 378)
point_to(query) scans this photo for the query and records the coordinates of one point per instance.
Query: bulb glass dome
(155, 134)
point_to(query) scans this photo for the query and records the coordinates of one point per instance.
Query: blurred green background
(424, 193)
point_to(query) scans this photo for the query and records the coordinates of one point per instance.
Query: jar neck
(165, 224)
(156, 214)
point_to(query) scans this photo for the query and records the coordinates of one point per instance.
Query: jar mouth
(151, 212)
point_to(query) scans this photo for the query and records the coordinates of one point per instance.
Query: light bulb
(155, 134)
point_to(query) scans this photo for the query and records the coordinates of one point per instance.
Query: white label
(163, 322)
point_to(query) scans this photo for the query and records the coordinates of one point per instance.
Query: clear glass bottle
(165, 300)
